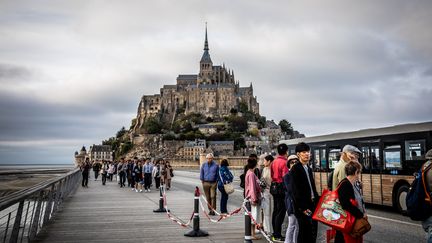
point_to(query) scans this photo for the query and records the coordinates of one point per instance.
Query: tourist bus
(390, 157)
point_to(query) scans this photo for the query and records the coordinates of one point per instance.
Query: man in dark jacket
(304, 194)
(427, 224)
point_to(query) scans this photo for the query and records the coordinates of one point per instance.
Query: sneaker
(277, 239)
(133, 189)
(148, 190)
(140, 190)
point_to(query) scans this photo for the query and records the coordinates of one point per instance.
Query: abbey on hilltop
(213, 92)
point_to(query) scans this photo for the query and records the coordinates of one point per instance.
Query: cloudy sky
(72, 72)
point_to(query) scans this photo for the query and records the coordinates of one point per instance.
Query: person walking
(266, 179)
(209, 173)
(253, 193)
(147, 169)
(348, 153)
(111, 169)
(304, 194)
(156, 174)
(350, 192)
(104, 172)
(169, 174)
(96, 168)
(85, 168)
(121, 168)
(138, 176)
(225, 176)
(292, 230)
(279, 169)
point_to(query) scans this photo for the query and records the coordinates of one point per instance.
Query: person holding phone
(304, 194)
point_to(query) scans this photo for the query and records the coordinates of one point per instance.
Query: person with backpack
(419, 205)
(278, 171)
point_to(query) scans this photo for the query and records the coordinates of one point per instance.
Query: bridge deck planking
(112, 214)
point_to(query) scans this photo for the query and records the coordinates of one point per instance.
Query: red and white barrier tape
(266, 235)
(173, 217)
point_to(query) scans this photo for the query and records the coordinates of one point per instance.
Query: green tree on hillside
(286, 127)
(152, 125)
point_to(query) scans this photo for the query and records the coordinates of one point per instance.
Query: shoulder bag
(228, 187)
(361, 226)
(329, 211)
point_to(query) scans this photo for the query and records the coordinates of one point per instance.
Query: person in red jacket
(278, 170)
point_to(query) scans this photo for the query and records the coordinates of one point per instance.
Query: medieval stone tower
(212, 92)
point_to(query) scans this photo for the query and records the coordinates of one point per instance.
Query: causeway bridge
(60, 210)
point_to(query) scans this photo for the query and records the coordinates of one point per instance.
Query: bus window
(323, 159)
(365, 161)
(317, 158)
(414, 149)
(292, 151)
(334, 156)
(392, 157)
(375, 158)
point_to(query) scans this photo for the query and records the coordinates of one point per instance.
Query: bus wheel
(401, 198)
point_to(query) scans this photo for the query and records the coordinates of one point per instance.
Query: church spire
(206, 48)
(206, 55)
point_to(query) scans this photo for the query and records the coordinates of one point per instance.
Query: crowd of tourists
(282, 188)
(139, 174)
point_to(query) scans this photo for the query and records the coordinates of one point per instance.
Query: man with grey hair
(348, 154)
(208, 175)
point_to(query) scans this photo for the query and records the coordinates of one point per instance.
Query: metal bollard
(161, 208)
(248, 237)
(196, 232)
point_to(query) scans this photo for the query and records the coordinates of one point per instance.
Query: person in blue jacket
(225, 177)
(292, 230)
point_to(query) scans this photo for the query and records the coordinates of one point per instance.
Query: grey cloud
(10, 73)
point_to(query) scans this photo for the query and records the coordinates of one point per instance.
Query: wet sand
(14, 179)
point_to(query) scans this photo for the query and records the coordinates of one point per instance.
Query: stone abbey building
(212, 92)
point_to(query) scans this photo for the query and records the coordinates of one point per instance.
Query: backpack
(418, 199)
(330, 181)
(242, 180)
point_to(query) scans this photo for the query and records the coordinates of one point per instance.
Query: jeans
(223, 201)
(292, 230)
(96, 174)
(427, 226)
(104, 178)
(85, 177)
(122, 175)
(147, 180)
(279, 212)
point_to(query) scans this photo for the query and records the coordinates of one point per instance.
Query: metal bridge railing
(24, 213)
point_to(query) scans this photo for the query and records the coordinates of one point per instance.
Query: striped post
(196, 232)
(161, 208)
(247, 237)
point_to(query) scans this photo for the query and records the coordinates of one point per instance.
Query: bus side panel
(324, 177)
(376, 190)
(388, 182)
(367, 195)
(320, 181)
(317, 176)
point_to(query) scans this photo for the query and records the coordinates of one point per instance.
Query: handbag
(361, 227)
(329, 211)
(228, 187)
(277, 188)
